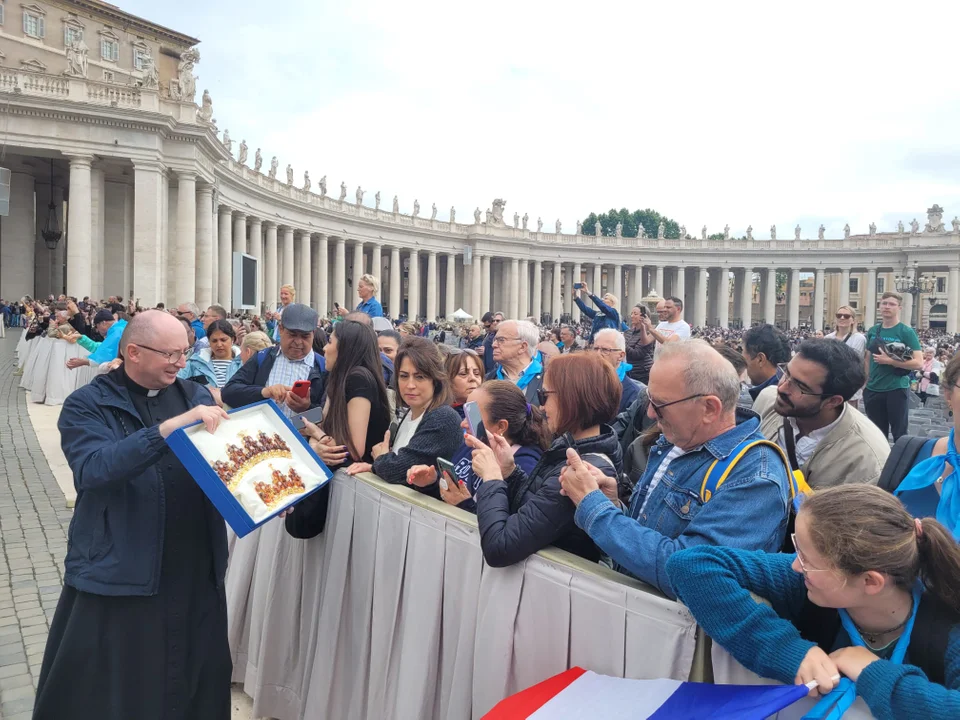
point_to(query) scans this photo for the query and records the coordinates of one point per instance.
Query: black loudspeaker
(4, 191)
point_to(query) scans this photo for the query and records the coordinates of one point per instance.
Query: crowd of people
(708, 463)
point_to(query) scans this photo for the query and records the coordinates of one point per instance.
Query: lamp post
(911, 284)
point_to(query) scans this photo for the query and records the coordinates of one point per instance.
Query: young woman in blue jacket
(215, 365)
(872, 595)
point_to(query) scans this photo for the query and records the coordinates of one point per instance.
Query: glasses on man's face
(803, 566)
(659, 407)
(802, 388)
(542, 396)
(844, 316)
(500, 340)
(172, 357)
(604, 351)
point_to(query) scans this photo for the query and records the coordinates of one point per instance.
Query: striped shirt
(220, 370)
(286, 372)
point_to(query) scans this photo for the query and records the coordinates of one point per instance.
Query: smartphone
(472, 412)
(336, 305)
(445, 470)
(314, 415)
(301, 388)
(578, 286)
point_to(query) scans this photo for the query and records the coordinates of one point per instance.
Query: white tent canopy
(462, 314)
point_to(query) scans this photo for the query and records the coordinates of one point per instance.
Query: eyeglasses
(542, 396)
(803, 567)
(801, 388)
(172, 357)
(844, 316)
(658, 407)
(605, 351)
(500, 340)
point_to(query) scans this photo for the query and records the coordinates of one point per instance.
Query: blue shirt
(198, 329)
(371, 307)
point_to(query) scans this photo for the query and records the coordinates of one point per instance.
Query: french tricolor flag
(577, 694)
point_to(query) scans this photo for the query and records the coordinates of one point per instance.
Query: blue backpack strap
(720, 469)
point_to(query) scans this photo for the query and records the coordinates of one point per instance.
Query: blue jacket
(631, 388)
(246, 385)
(198, 329)
(749, 510)
(108, 349)
(371, 307)
(199, 363)
(604, 317)
(716, 582)
(115, 543)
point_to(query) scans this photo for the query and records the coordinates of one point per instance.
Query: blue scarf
(622, 369)
(925, 474)
(833, 705)
(533, 369)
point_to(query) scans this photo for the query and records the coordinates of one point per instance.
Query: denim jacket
(748, 511)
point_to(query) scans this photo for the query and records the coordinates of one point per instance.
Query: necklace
(872, 638)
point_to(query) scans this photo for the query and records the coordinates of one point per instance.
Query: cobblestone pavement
(33, 541)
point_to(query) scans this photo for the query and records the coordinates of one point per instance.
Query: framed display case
(253, 467)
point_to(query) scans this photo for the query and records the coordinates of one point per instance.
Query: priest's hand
(209, 415)
(215, 391)
(277, 393)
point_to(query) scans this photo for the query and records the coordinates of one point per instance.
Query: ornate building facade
(102, 122)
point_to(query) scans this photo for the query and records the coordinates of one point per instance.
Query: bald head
(148, 326)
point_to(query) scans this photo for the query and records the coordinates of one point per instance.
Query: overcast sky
(711, 113)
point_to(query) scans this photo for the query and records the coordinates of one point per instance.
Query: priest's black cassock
(159, 655)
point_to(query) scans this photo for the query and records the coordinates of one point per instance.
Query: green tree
(650, 219)
(781, 281)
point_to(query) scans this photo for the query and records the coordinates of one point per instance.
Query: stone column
(869, 309)
(433, 286)
(637, 284)
(485, 285)
(450, 301)
(396, 283)
(680, 285)
(953, 299)
(413, 289)
(723, 297)
(577, 278)
(204, 269)
(339, 270)
(524, 288)
(240, 232)
(700, 298)
(567, 294)
(793, 315)
(80, 228)
(358, 270)
(287, 272)
(476, 302)
(147, 185)
(557, 291)
(376, 266)
(618, 287)
(322, 286)
(18, 266)
(537, 289)
(658, 282)
(186, 246)
(271, 293)
(596, 287)
(513, 289)
(770, 297)
(844, 287)
(746, 297)
(224, 258)
(906, 314)
(255, 248)
(303, 288)
(98, 209)
(819, 291)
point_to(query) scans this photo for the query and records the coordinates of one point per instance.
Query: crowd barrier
(392, 613)
(43, 361)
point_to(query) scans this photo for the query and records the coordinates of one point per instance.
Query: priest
(140, 630)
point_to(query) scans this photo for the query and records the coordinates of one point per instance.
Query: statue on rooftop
(796, 232)
(453, 214)
(476, 216)
(243, 153)
(289, 174)
(773, 232)
(821, 231)
(257, 161)
(306, 181)
(846, 231)
(323, 186)
(433, 212)
(227, 142)
(661, 230)
(416, 208)
(749, 232)
(206, 107)
(77, 51)
(376, 201)
(359, 195)
(274, 164)
(726, 232)
(873, 229)
(343, 191)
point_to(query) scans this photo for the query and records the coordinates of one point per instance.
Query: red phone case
(301, 388)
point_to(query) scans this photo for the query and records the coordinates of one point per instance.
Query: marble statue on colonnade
(525, 219)
(416, 208)
(846, 231)
(618, 230)
(376, 201)
(77, 52)
(289, 174)
(900, 226)
(433, 212)
(476, 216)
(257, 161)
(274, 164)
(227, 142)
(773, 232)
(559, 226)
(516, 220)
(343, 191)
(151, 76)
(243, 153)
(641, 231)
(661, 231)
(187, 80)
(579, 228)
(396, 205)
(683, 232)
(206, 107)
(749, 232)
(453, 214)
(934, 220)
(796, 232)
(306, 181)
(873, 229)
(499, 205)
(323, 186)
(359, 195)
(956, 223)
(726, 232)
(914, 226)
(539, 225)
(597, 229)
(820, 232)
(703, 233)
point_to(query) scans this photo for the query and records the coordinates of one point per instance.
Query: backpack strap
(720, 469)
(901, 460)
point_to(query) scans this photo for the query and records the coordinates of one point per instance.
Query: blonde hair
(372, 281)
(256, 341)
(291, 288)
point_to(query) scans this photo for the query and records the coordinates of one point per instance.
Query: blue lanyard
(833, 705)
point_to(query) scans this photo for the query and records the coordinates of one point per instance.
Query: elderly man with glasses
(191, 313)
(612, 347)
(693, 394)
(516, 357)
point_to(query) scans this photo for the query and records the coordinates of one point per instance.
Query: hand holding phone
(578, 286)
(444, 471)
(301, 388)
(472, 412)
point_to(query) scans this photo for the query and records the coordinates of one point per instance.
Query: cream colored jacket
(853, 452)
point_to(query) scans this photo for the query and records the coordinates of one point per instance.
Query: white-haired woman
(605, 316)
(367, 289)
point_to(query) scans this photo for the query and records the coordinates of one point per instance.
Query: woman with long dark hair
(872, 594)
